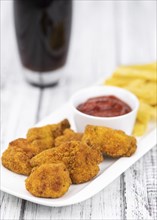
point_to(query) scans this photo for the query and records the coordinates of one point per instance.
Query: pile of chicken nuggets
(142, 81)
(54, 156)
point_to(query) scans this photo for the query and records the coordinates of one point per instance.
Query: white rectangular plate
(110, 169)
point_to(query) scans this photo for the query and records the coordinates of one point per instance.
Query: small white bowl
(124, 122)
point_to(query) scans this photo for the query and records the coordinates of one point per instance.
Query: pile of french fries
(142, 81)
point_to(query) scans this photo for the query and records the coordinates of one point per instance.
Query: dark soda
(43, 32)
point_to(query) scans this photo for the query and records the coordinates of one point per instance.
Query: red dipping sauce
(104, 106)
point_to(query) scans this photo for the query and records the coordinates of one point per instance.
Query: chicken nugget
(68, 135)
(17, 160)
(44, 137)
(113, 143)
(80, 159)
(25, 145)
(49, 181)
(83, 162)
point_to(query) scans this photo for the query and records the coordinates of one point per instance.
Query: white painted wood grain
(104, 34)
(136, 196)
(10, 206)
(137, 31)
(98, 207)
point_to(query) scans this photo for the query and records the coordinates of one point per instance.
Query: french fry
(145, 91)
(144, 113)
(142, 81)
(153, 112)
(139, 128)
(148, 67)
(132, 73)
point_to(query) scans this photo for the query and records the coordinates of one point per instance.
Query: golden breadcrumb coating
(17, 159)
(25, 145)
(113, 143)
(44, 137)
(68, 135)
(49, 181)
(80, 159)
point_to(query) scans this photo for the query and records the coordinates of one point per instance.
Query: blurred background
(104, 34)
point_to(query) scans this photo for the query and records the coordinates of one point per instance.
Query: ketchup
(104, 106)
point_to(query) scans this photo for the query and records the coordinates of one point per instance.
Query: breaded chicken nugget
(17, 157)
(43, 137)
(49, 181)
(80, 159)
(25, 145)
(68, 135)
(114, 143)
(17, 160)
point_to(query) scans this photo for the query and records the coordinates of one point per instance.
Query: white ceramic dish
(110, 169)
(124, 122)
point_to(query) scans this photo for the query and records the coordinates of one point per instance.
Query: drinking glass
(43, 32)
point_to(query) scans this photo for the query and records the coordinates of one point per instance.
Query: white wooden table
(104, 35)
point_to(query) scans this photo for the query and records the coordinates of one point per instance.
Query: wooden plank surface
(104, 35)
